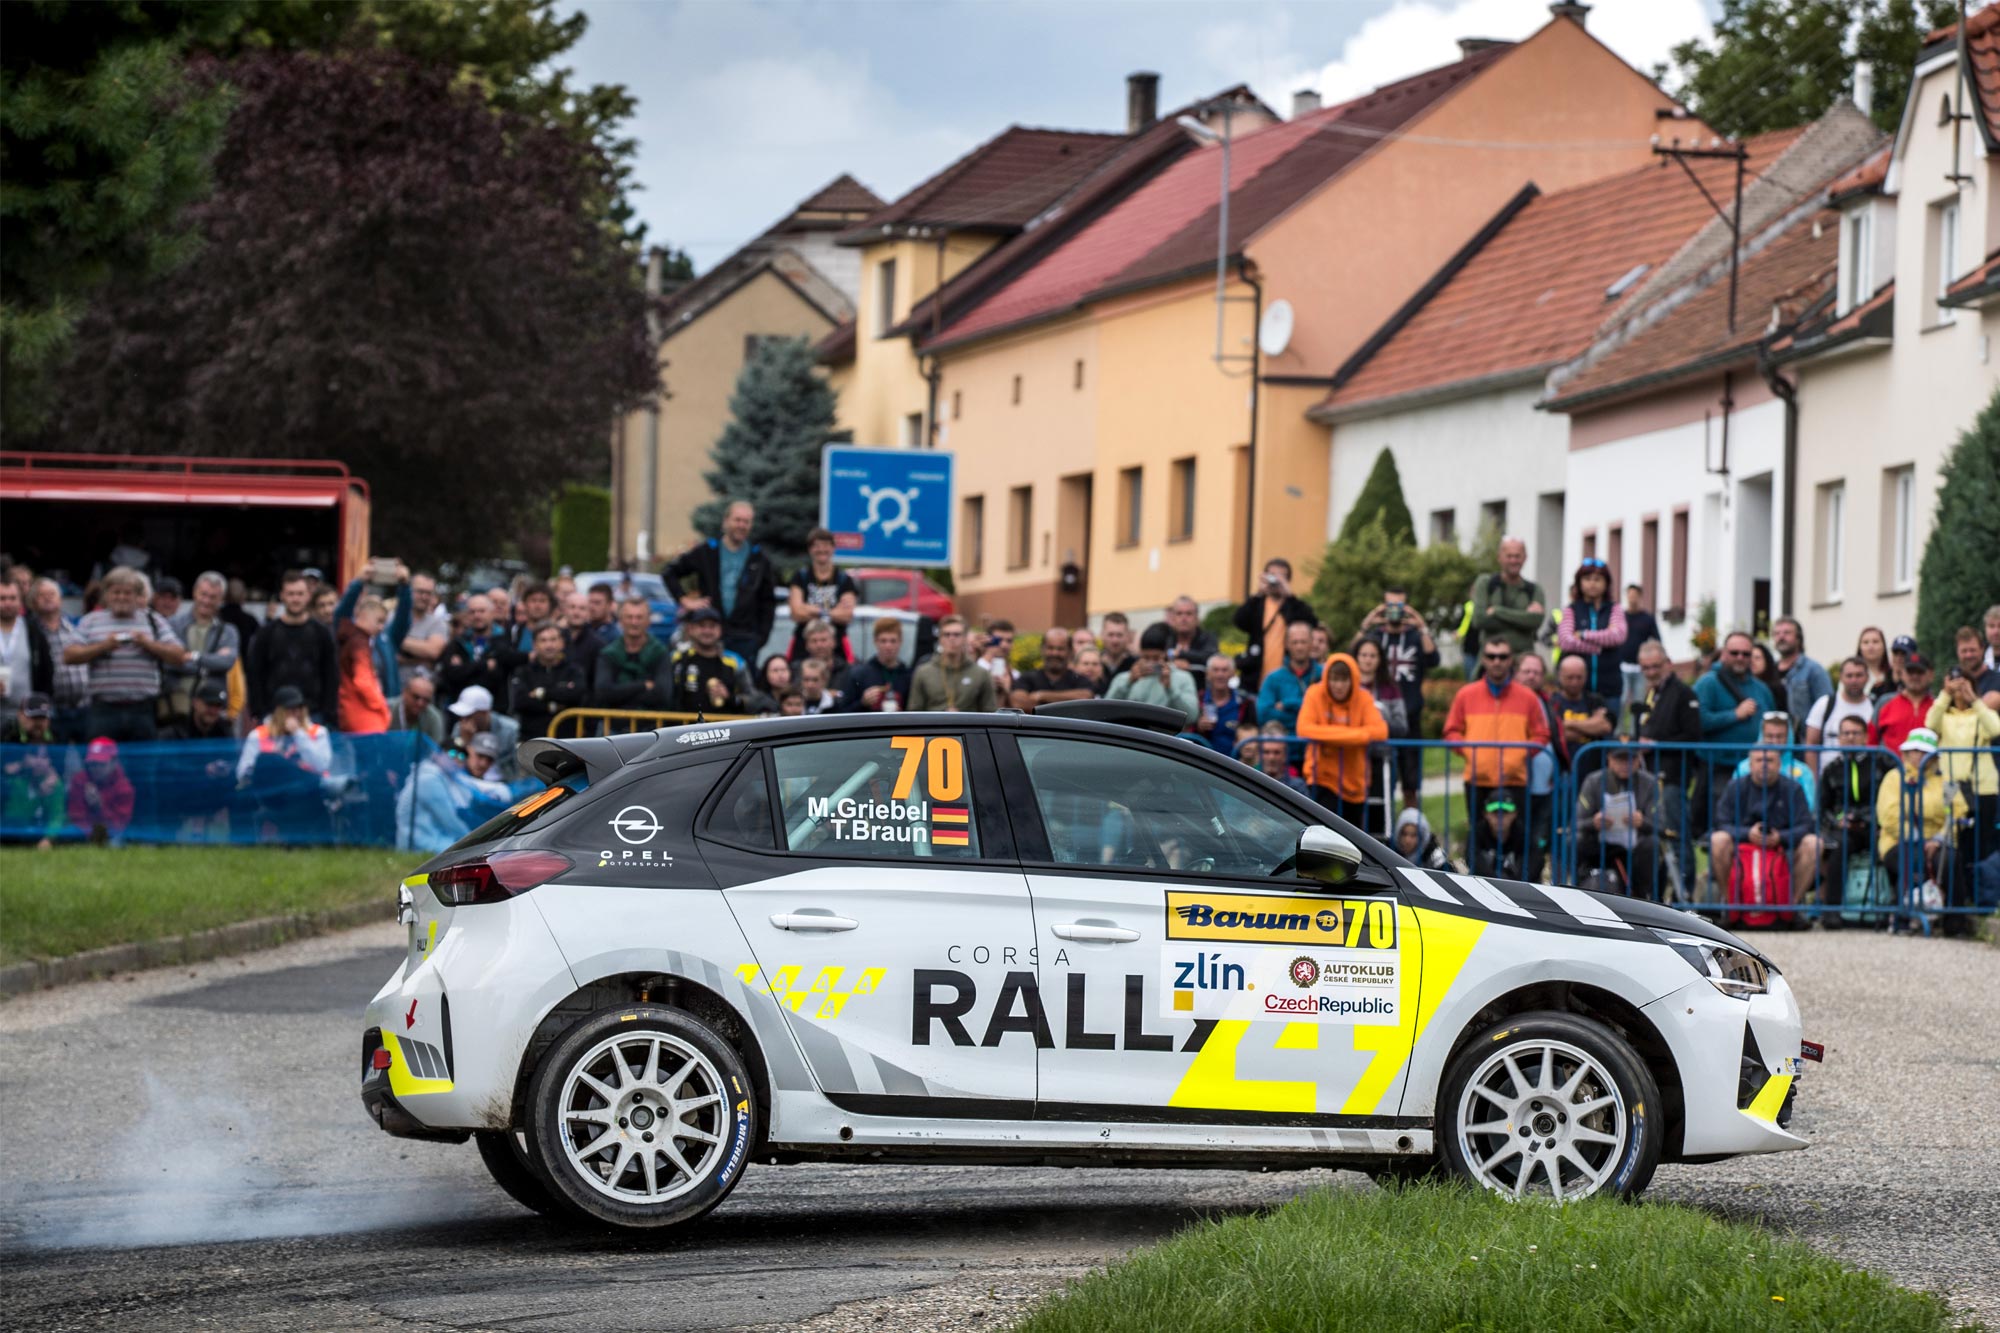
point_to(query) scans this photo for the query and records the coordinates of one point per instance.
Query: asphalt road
(186, 1149)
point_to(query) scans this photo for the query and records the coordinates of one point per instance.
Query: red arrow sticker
(410, 1019)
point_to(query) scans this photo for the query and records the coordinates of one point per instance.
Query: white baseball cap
(472, 699)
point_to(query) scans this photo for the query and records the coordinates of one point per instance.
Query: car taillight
(492, 879)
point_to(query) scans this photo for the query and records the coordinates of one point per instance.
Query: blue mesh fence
(396, 789)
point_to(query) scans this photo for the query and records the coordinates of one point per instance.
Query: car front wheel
(1553, 1106)
(644, 1117)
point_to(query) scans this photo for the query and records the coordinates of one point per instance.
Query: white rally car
(1065, 938)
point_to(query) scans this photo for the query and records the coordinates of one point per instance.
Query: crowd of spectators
(1790, 767)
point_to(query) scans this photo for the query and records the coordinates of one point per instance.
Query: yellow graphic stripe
(825, 993)
(402, 1081)
(1770, 1098)
(1211, 1083)
(1441, 944)
(417, 881)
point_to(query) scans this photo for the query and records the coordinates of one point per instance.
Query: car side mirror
(1327, 856)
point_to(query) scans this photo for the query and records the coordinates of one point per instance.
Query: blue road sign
(887, 506)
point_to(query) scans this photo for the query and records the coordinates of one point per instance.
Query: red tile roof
(1982, 48)
(1000, 185)
(837, 348)
(1168, 227)
(1789, 274)
(843, 194)
(1867, 178)
(1976, 287)
(1820, 329)
(1537, 292)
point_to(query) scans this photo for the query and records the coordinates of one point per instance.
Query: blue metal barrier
(395, 789)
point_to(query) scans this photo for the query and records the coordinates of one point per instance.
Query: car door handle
(812, 920)
(1082, 930)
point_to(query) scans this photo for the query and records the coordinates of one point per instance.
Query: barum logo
(1201, 915)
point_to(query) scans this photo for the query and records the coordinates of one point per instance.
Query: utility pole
(1733, 215)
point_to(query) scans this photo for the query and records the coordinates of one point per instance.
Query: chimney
(1864, 87)
(1142, 100)
(1304, 102)
(1472, 46)
(1570, 9)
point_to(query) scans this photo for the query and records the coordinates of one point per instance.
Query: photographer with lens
(1408, 651)
(1271, 610)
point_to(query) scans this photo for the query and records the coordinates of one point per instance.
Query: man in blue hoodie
(1285, 685)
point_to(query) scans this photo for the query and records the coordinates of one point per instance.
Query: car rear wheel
(508, 1160)
(1552, 1106)
(643, 1116)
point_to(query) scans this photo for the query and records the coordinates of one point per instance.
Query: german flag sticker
(950, 826)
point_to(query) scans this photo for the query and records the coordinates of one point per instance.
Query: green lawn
(68, 899)
(1450, 1258)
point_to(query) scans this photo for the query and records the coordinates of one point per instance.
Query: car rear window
(531, 811)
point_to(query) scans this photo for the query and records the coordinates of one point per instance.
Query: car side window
(1113, 806)
(743, 815)
(893, 797)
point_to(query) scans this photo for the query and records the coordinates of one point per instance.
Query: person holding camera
(1408, 651)
(127, 647)
(1153, 678)
(1265, 617)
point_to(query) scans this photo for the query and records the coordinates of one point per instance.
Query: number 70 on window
(944, 773)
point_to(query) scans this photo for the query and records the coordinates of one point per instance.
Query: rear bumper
(378, 1098)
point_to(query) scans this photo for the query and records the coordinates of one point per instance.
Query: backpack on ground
(1864, 891)
(1760, 880)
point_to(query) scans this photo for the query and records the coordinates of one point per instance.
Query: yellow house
(790, 282)
(1106, 416)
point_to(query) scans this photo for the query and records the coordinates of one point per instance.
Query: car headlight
(1735, 972)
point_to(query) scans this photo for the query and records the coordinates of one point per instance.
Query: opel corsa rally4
(1055, 939)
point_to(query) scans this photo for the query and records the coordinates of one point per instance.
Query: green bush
(1956, 582)
(1027, 652)
(580, 528)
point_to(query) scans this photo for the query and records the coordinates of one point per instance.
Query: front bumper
(1731, 1108)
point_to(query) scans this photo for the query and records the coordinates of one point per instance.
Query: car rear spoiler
(1119, 712)
(596, 757)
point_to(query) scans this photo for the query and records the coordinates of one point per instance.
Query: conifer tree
(1381, 495)
(781, 417)
(1956, 582)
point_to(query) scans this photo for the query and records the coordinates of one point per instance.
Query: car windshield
(531, 810)
(882, 589)
(649, 586)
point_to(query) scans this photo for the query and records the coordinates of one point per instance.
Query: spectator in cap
(100, 796)
(296, 650)
(287, 738)
(473, 711)
(32, 808)
(482, 765)
(415, 709)
(708, 678)
(1918, 851)
(127, 646)
(1620, 809)
(1905, 710)
(208, 716)
(1497, 843)
(166, 596)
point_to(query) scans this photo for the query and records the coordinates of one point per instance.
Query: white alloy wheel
(1542, 1118)
(643, 1117)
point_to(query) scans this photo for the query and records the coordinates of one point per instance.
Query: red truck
(246, 517)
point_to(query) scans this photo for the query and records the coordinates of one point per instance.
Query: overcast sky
(748, 106)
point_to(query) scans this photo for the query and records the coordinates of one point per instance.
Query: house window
(885, 297)
(1079, 373)
(1614, 554)
(1180, 501)
(957, 401)
(1017, 391)
(1679, 582)
(1493, 514)
(972, 527)
(1944, 257)
(1649, 559)
(1444, 526)
(1590, 543)
(754, 342)
(1131, 498)
(913, 430)
(1857, 282)
(1899, 521)
(1832, 539)
(1020, 515)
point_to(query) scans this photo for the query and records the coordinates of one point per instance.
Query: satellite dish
(1274, 331)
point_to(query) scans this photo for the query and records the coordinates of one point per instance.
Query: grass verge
(68, 899)
(1434, 1257)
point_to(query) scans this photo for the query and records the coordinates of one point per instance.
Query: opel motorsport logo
(1255, 918)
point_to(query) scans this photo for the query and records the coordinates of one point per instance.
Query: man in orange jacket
(1496, 707)
(1339, 718)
